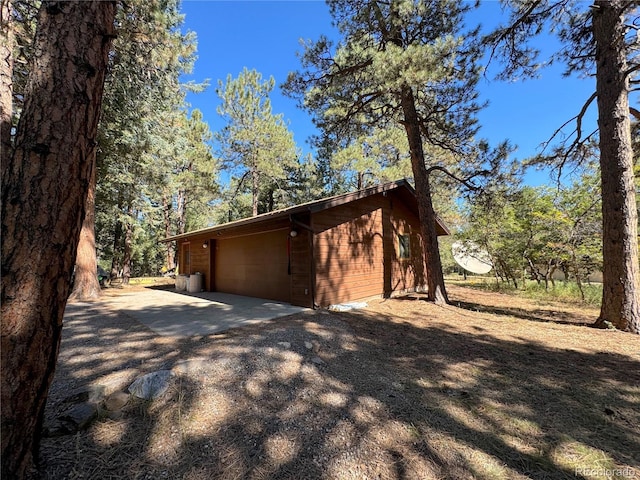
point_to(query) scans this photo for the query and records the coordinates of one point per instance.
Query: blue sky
(264, 35)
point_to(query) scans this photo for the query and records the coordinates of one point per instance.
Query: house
(338, 249)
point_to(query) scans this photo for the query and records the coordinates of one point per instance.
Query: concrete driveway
(171, 313)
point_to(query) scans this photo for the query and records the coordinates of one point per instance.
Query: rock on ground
(152, 385)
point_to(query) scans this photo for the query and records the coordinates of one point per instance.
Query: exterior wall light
(293, 233)
(205, 244)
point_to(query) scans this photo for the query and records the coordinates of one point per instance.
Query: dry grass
(494, 387)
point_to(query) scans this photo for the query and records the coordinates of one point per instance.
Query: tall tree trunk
(7, 41)
(621, 272)
(271, 201)
(128, 244)
(436, 291)
(170, 258)
(86, 285)
(181, 210)
(43, 197)
(552, 266)
(117, 236)
(254, 191)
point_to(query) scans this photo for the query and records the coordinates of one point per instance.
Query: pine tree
(149, 156)
(597, 39)
(404, 62)
(255, 146)
(44, 186)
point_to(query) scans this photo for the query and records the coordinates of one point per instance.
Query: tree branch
(635, 68)
(463, 181)
(511, 29)
(578, 118)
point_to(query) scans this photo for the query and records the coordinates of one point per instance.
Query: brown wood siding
(210, 279)
(348, 250)
(352, 254)
(199, 257)
(300, 247)
(254, 265)
(406, 274)
(356, 250)
(184, 263)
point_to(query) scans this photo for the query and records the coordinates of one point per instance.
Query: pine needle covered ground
(492, 387)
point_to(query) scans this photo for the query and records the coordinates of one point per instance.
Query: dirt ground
(492, 387)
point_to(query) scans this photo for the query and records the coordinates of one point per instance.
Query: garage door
(254, 265)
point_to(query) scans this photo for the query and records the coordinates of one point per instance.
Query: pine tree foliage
(156, 171)
(405, 63)
(387, 46)
(256, 146)
(305, 181)
(156, 174)
(374, 158)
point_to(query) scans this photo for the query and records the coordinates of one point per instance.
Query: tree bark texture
(7, 41)
(44, 187)
(170, 258)
(85, 284)
(254, 191)
(621, 272)
(436, 290)
(116, 265)
(181, 210)
(127, 255)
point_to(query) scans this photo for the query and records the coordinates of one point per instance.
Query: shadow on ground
(540, 315)
(348, 395)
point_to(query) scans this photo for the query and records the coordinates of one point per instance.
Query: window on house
(404, 246)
